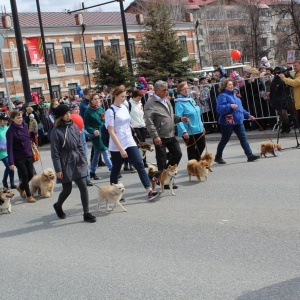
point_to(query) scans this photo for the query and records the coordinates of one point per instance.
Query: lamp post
(198, 46)
(44, 48)
(21, 55)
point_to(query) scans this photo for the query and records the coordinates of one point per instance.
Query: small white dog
(43, 183)
(5, 197)
(111, 193)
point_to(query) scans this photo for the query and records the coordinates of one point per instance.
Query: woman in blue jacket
(232, 115)
(192, 132)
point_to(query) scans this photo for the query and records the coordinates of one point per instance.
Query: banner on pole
(35, 50)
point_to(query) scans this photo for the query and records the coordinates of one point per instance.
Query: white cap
(31, 116)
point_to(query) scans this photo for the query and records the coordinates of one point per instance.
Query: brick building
(66, 44)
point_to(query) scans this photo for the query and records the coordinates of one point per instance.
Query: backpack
(105, 133)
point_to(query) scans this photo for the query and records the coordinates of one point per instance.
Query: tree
(108, 70)
(161, 53)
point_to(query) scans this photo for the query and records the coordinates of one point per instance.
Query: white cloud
(56, 6)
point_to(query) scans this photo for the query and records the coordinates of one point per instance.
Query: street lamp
(44, 48)
(21, 55)
(79, 21)
(198, 46)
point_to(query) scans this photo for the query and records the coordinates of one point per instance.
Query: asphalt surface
(236, 236)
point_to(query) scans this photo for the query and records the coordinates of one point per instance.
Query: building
(70, 48)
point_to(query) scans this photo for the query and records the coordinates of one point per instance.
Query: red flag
(35, 50)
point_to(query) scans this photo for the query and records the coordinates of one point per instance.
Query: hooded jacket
(67, 152)
(224, 101)
(186, 107)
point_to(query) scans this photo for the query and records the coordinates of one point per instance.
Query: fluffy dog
(269, 148)
(43, 183)
(5, 201)
(165, 176)
(111, 193)
(209, 158)
(144, 147)
(198, 169)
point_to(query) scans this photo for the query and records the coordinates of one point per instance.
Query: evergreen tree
(107, 70)
(161, 53)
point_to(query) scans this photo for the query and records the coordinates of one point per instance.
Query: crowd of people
(159, 110)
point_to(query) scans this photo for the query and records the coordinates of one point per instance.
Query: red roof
(57, 19)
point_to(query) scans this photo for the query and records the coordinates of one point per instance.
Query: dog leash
(102, 189)
(264, 131)
(195, 141)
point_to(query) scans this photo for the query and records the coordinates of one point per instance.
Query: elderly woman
(192, 132)
(232, 115)
(69, 161)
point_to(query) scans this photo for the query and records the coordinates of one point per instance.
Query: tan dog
(144, 147)
(269, 148)
(5, 201)
(43, 183)
(209, 158)
(111, 193)
(198, 169)
(166, 176)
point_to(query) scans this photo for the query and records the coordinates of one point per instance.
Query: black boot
(94, 176)
(5, 185)
(283, 128)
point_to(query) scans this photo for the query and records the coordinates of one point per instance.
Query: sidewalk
(251, 135)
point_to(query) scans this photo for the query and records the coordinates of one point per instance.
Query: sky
(60, 6)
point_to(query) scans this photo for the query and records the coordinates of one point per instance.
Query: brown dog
(43, 184)
(198, 169)
(144, 147)
(163, 177)
(209, 158)
(5, 197)
(269, 148)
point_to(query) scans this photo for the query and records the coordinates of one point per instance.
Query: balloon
(77, 119)
(235, 54)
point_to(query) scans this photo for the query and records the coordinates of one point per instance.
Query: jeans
(67, 189)
(136, 159)
(25, 170)
(226, 134)
(95, 160)
(7, 172)
(161, 153)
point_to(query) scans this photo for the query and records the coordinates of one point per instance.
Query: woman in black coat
(69, 161)
(280, 95)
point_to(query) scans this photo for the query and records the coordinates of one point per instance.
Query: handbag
(35, 152)
(229, 119)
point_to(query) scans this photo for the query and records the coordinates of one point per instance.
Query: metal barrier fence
(253, 93)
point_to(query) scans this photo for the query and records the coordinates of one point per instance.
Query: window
(272, 43)
(182, 41)
(115, 47)
(99, 48)
(202, 48)
(56, 91)
(67, 52)
(2, 95)
(132, 48)
(27, 56)
(37, 90)
(50, 54)
(72, 89)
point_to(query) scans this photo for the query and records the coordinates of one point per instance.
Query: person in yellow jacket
(295, 84)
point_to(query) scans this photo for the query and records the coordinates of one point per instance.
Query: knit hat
(61, 110)
(73, 106)
(264, 59)
(4, 116)
(31, 116)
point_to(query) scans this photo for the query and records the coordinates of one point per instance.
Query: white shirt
(121, 124)
(137, 114)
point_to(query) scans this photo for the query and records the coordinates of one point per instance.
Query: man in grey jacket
(160, 121)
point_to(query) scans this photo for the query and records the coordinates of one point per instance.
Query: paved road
(236, 236)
